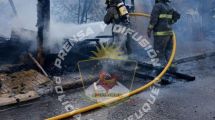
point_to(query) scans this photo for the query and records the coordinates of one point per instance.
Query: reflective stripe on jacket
(161, 19)
(163, 33)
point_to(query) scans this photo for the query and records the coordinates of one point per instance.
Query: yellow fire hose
(113, 100)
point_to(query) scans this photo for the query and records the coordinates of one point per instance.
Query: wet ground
(178, 101)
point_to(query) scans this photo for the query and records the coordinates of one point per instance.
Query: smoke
(193, 22)
(26, 16)
(59, 31)
(5, 16)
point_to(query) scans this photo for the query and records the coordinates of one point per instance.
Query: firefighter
(117, 13)
(163, 16)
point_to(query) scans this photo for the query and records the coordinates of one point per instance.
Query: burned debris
(21, 86)
(28, 67)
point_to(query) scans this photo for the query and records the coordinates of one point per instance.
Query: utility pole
(43, 21)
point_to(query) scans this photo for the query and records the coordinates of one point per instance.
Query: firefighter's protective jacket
(162, 18)
(111, 16)
(116, 12)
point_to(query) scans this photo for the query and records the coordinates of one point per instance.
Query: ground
(180, 100)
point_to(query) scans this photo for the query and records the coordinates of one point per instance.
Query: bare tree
(78, 11)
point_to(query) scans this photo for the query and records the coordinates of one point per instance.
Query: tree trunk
(43, 21)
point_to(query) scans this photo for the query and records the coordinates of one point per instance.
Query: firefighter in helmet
(163, 16)
(117, 13)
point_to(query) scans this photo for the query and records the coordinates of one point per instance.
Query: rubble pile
(20, 86)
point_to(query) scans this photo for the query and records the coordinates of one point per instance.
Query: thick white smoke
(27, 17)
